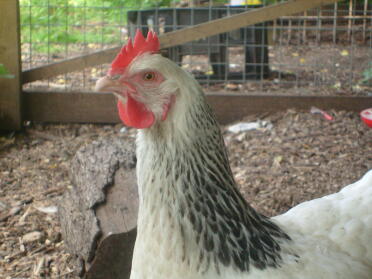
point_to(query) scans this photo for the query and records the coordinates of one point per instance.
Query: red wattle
(135, 114)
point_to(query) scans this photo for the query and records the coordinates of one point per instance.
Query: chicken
(192, 221)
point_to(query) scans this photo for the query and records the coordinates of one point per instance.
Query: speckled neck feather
(185, 172)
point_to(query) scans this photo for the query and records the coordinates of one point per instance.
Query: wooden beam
(69, 65)
(10, 86)
(240, 20)
(101, 107)
(69, 107)
(180, 36)
(229, 108)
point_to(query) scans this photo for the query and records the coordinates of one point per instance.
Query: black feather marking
(212, 204)
(223, 254)
(208, 242)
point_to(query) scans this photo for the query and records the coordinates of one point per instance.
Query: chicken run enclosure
(312, 51)
(271, 60)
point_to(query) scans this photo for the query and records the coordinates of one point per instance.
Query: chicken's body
(193, 223)
(330, 237)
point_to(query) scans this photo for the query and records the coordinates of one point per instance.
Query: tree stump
(99, 214)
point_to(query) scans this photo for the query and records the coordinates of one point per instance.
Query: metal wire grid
(296, 46)
(345, 34)
(54, 30)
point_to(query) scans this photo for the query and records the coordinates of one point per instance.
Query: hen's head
(145, 83)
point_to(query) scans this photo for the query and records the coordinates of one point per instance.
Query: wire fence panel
(322, 51)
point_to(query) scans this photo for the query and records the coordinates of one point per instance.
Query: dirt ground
(303, 156)
(311, 69)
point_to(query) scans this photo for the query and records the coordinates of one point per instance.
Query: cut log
(99, 214)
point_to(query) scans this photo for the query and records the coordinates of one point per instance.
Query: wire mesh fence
(327, 50)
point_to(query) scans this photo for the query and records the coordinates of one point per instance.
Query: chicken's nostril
(114, 77)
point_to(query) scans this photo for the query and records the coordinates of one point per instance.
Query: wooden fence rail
(92, 107)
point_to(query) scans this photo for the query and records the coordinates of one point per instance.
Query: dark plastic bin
(169, 19)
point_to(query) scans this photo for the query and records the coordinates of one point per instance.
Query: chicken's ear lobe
(167, 106)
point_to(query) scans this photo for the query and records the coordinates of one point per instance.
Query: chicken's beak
(132, 112)
(106, 84)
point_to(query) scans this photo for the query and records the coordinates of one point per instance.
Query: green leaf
(4, 72)
(367, 74)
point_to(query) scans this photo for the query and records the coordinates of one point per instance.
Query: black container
(253, 38)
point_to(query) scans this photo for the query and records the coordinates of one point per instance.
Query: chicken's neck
(189, 201)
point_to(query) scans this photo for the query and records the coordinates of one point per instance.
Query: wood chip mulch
(303, 156)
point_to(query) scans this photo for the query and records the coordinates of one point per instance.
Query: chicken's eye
(149, 76)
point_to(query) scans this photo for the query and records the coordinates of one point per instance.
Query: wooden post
(335, 9)
(275, 27)
(349, 25)
(304, 35)
(289, 31)
(10, 86)
(365, 8)
(319, 26)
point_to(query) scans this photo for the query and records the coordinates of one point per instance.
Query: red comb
(131, 50)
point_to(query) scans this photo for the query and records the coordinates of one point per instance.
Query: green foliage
(4, 72)
(49, 25)
(367, 74)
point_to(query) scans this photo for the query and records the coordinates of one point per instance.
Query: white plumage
(332, 237)
(343, 218)
(194, 224)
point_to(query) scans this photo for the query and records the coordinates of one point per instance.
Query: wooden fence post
(10, 85)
